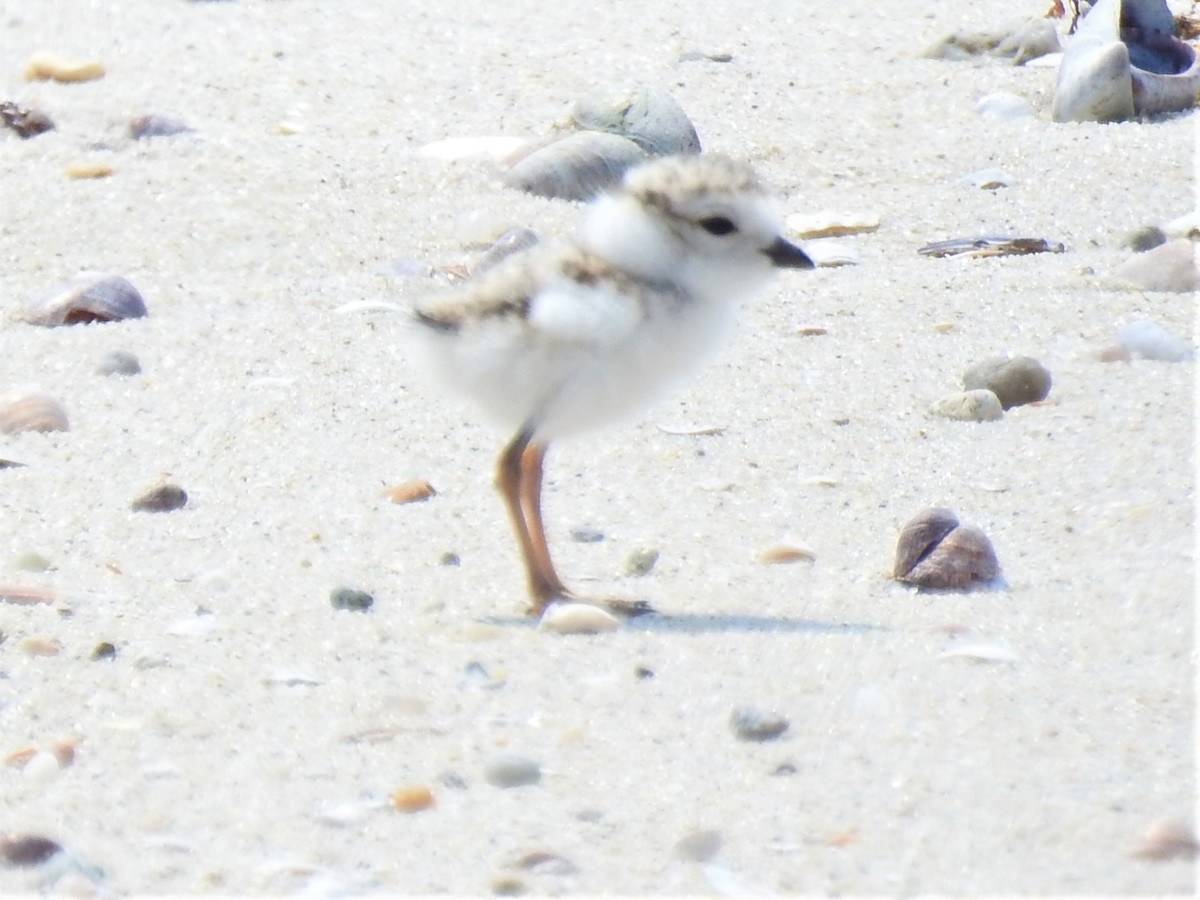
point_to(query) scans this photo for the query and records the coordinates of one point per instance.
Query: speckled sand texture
(248, 739)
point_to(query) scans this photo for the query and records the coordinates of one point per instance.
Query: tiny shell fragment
(22, 411)
(1167, 840)
(991, 246)
(412, 798)
(22, 595)
(164, 498)
(26, 123)
(41, 647)
(86, 170)
(830, 224)
(413, 491)
(785, 553)
(577, 618)
(153, 125)
(51, 67)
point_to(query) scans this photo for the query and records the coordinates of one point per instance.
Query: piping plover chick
(563, 338)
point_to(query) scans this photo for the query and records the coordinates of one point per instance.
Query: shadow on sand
(701, 623)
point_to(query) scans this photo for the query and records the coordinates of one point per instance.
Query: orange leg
(519, 478)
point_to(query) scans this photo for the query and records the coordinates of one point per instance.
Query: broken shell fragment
(575, 167)
(22, 411)
(935, 551)
(411, 491)
(577, 618)
(50, 67)
(89, 298)
(990, 246)
(647, 116)
(26, 123)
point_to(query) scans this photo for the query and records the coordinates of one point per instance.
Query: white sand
(198, 772)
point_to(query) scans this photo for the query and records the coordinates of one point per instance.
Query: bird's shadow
(715, 623)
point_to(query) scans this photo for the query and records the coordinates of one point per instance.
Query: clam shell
(31, 411)
(575, 167)
(89, 298)
(647, 116)
(963, 556)
(577, 618)
(924, 532)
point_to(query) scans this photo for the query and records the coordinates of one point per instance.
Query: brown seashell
(413, 491)
(22, 595)
(786, 553)
(575, 167)
(27, 410)
(164, 498)
(89, 298)
(935, 551)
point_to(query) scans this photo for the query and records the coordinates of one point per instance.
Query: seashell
(412, 798)
(413, 491)
(969, 406)
(786, 553)
(31, 411)
(1150, 340)
(1125, 61)
(831, 224)
(49, 67)
(831, 254)
(647, 116)
(164, 498)
(513, 241)
(22, 595)
(35, 646)
(1015, 381)
(154, 125)
(88, 298)
(577, 618)
(1167, 840)
(935, 551)
(990, 179)
(86, 170)
(26, 123)
(453, 149)
(990, 246)
(981, 651)
(575, 167)
(1003, 106)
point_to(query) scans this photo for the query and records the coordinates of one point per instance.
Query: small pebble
(1150, 340)
(152, 125)
(1015, 381)
(585, 534)
(699, 846)
(32, 561)
(1145, 238)
(104, 650)
(507, 770)
(752, 724)
(26, 123)
(450, 558)
(1004, 107)
(1169, 267)
(27, 849)
(508, 886)
(414, 491)
(785, 768)
(969, 406)
(165, 498)
(350, 599)
(643, 672)
(119, 362)
(412, 798)
(1167, 840)
(990, 179)
(640, 562)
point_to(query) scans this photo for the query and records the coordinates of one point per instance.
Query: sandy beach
(244, 737)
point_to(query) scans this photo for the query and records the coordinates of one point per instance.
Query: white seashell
(1109, 73)
(1003, 106)
(89, 298)
(575, 167)
(577, 618)
(28, 410)
(831, 254)
(1169, 267)
(647, 116)
(453, 149)
(1186, 226)
(828, 223)
(981, 651)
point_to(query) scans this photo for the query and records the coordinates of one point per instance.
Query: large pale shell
(28, 410)
(1110, 73)
(575, 167)
(647, 116)
(89, 298)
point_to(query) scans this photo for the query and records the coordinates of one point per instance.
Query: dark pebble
(166, 498)
(104, 650)
(585, 534)
(348, 598)
(752, 724)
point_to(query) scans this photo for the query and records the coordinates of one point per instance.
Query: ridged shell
(575, 167)
(647, 116)
(31, 411)
(924, 532)
(963, 556)
(89, 298)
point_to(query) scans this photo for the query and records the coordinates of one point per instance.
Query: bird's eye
(718, 225)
